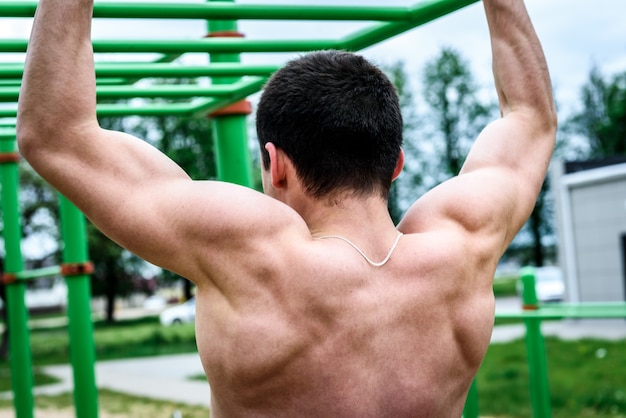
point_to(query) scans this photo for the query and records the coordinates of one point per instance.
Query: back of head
(337, 117)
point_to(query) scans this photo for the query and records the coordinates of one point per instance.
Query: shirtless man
(290, 323)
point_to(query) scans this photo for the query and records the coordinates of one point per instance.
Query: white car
(549, 284)
(179, 314)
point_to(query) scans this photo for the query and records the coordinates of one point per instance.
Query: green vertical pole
(536, 350)
(20, 357)
(471, 403)
(82, 348)
(229, 124)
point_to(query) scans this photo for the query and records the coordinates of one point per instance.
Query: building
(590, 206)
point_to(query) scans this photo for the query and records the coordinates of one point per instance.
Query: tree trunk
(111, 290)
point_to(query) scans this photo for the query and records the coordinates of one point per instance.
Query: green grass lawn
(124, 339)
(115, 404)
(587, 377)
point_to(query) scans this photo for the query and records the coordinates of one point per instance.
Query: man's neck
(352, 216)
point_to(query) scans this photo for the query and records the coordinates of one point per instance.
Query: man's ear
(277, 165)
(399, 165)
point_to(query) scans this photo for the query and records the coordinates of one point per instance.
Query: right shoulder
(201, 229)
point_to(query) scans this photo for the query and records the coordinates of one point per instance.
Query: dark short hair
(337, 117)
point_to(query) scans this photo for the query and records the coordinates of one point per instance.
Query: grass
(39, 378)
(586, 376)
(125, 339)
(115, 404)
(586, 379)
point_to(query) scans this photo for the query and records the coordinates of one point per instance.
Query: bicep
(496, 189)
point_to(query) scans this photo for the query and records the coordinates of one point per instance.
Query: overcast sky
(576, 34)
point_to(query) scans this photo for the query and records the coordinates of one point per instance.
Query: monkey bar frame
(226, 85)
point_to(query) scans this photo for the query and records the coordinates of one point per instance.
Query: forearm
(58, 87)
(519, 66)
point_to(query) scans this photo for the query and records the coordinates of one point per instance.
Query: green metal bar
(233, 164)
(168, 46)
(220, 11)
(152, 70)
(7, 124)
(11, 94)
(165, 59)
(230, 130)
(471, 403)
(8, 111)
(39, 273)
(80, 327)
(111, 110)
(536, 350)
(171, 109)
(420, 14)
(8, 134)
(244, 91)
(561, 311)
(20, 357)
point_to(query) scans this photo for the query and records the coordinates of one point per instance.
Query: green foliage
(455, 109)
(398, 76)
(602, 120)
(437, 136)
(505, 286)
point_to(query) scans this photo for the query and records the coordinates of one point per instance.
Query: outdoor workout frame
(223, 99)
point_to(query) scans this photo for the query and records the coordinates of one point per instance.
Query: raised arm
(498, 185)
(131, 191)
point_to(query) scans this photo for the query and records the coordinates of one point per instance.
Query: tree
(455, 109)
(602, 120)
(438, 139)
(399, 77)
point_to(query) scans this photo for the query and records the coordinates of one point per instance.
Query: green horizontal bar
(218, 11)
(421, 13)
(251, 87)
(8, 112)
(210, 45)
(171, 109)
(114, 81)
(7, 134)
(197, 107)
(115, 110)
(39, 273)
(11, 94)
(579, 311)
(144, 70)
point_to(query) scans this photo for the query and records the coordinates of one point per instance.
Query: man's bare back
(290, 323)
(350, 340)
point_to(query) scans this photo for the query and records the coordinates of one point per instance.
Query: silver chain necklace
(375, 264)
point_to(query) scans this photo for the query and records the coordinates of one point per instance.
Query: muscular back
(326, 334)
(288, 325)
